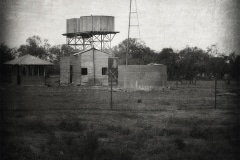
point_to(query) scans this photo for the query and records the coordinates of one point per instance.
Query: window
(84, 71)
(104, 71)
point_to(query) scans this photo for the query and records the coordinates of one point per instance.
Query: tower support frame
(86, 40)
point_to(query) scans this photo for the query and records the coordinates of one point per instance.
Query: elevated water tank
(90, 23)
(73, 25)
(97, 23)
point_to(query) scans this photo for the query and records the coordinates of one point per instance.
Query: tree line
(188, 63)
(35, 46)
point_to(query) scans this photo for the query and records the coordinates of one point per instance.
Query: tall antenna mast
(129, 22)
(129, 25)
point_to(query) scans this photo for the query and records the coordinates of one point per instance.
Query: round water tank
(73, 25)
(96, 23)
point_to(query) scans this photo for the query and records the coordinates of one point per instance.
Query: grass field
(75, 122)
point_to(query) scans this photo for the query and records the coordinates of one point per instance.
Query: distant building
(94, 67)
(89, 67)
(28, 70)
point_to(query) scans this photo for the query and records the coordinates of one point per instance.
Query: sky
(163, 23)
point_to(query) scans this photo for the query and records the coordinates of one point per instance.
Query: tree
(36, 48)
(138, 52)
(6, 54)
(234, 61)
(169, 58)
(192, 62)
(218, 64)
(41, 48)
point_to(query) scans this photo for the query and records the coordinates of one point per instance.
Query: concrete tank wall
(142, 77)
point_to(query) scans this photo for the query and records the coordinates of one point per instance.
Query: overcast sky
(163, 23)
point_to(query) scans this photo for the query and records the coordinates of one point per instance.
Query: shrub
(198, 132)
(179, 143)
(128, 115)
(19, 115)
(155, 150)
(17, 150)
(164, 102)
(71, 126)
(119, 129)
(90, 144)
(36, 126)
(171, 131)
(67, 139)
(139, 101)
(107, 153)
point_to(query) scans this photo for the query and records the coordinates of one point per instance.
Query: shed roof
(28, 60)
(81, 52)
(155, 64)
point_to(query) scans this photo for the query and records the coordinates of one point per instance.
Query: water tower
(90, 31)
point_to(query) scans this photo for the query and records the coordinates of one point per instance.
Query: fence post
(215, 92)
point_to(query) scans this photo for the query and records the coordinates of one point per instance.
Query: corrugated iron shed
(28, 60)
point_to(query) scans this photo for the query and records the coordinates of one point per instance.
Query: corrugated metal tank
(96, 23)
(90, 23)
(73, 25)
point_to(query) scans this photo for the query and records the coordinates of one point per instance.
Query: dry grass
(77, 123)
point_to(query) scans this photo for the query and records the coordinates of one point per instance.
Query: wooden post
(38, 70)
(94, 74)
(111, 86)
(44, 74)
(215, 92)
(83, 43)
(27, 67)
(101, 43)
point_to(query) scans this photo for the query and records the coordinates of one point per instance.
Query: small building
(89, 67)
(142, 77)
(28, 70)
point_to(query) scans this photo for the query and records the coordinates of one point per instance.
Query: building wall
(64, 70)
(142, 77)
(94, 61)
(29, 80)
(75, 61)
(32, 80)
(26, 80)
